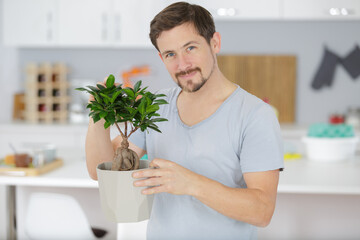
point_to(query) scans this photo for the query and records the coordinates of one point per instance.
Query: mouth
(187, 74)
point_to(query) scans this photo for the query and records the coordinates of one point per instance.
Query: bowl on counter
(330, 149)
(42, 153)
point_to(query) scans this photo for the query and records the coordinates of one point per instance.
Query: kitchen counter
(306, 176)
(305, 187)
(299, 176)
(71, 174)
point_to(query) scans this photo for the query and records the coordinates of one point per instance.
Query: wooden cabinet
(321, 9)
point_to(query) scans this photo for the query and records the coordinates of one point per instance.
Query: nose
(183, 63)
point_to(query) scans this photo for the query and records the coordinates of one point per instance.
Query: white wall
(306, 40)
(9, 75)
(9, 82)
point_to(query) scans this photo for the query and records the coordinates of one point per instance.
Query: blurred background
(302, 57)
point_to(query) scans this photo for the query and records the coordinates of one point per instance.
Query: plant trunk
(125, 159)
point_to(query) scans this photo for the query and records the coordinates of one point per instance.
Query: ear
(216, 42)
(161, 56)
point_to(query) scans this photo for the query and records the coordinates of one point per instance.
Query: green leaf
(105, 96)
(110, 81)
(152, 108)
(103, 114)
(155, 128)
(81, 89)
(141, 107)
(110, 118)
(148, 100)
(159, 120)
(115, 104)
(160, 95)
(101, 87)
(106, 125)
(106, 99)
(94, 89)
(143, 90)
(98, 99)
(161, 101)
(137, 86)
(115, 96)
(96, 118)
(129, 92)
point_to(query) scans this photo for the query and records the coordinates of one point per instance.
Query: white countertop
(299, 176)
(306, 176)
(71, 174)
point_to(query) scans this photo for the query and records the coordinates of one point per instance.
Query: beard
(189, 85)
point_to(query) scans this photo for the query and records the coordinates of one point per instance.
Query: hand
(167, 176)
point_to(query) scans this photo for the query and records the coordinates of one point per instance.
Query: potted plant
(136, 109)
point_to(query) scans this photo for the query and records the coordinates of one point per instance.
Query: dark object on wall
(352, 62)
(325, 73)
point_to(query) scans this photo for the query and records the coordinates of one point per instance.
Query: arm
(254, 204)
(99, 147)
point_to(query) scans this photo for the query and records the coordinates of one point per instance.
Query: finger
(147, 173)
(150, 182)
(91, 98)
(153, 190)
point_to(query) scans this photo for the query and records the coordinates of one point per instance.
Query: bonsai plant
(135, 107)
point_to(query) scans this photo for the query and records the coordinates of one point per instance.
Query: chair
(57, 216)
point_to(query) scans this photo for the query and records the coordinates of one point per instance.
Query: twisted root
(125, 159)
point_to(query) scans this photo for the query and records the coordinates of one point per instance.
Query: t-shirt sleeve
(262, 146)
(139, 139)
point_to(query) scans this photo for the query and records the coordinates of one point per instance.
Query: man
(218, 157)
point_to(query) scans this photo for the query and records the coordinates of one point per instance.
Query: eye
(168, 55)
(190, 48)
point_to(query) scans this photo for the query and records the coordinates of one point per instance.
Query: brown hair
(180, 13)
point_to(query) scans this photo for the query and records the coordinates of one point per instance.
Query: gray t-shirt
(243, 135)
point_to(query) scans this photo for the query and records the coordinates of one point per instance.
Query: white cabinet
(125, 23)
(83, 22)
(130, 21)
(242, 9)
(232, 10)
(321, 9)
(79, 23)
(29, 22)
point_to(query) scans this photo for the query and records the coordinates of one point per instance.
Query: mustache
(187, 71)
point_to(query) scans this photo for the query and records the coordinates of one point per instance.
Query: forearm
(98, 146)
(247, 205)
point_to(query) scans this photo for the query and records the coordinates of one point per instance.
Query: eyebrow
(184, 46)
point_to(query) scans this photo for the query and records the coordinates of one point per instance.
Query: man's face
(187, 56)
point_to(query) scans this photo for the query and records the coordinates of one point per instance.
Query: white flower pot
(121, 201)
